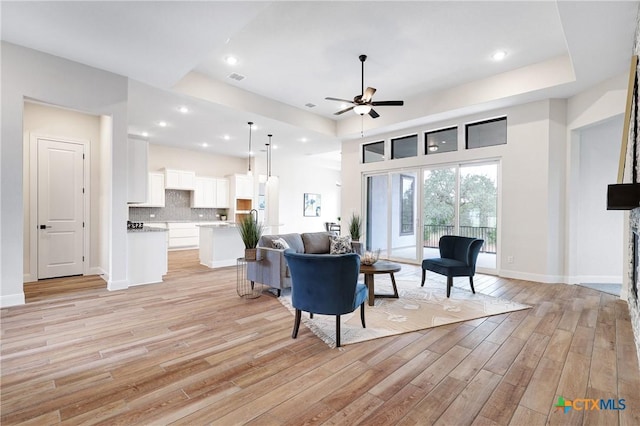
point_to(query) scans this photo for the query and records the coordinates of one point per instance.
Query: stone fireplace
(634, 275)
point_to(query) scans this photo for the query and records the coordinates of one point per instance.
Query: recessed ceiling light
(162, 124)
(499, 55)
(226, 137)
(231, 60)
(274, 146)
(204, 144)
(183, 109)
(304, 140)
(145, 134)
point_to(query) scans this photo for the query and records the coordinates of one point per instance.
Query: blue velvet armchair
(458, 256)
(325, 284)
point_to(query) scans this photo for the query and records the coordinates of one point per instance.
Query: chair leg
(473, 290)
(449, 285)
(423, 276)
(296, 324)
(337, 331)
(278, 293)
(362, 315)
(311, 315)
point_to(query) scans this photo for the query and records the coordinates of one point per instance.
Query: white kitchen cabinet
(222, 193)
(240, 196)
(183, 235)
(244, 186)
(179, 179)
(204, 194)
(137, 158)
(155, 191)
(146, 256)
(210, 193)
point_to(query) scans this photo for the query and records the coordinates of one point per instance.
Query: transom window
(438, 141)
(406, 146)
(373, 152)
(487, 133)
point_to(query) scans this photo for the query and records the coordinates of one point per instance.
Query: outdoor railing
(432, 234)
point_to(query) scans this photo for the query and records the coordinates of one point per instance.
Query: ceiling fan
(363, 103)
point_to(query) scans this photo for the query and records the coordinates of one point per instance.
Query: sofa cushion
(294, 241)
(340, 245)
(316, 242)
(280, 243)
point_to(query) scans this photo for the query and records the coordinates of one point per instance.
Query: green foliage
(355, 227)
(250, 231)
(478, 203)
(477, 199)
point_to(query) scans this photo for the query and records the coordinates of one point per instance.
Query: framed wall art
(312, 204)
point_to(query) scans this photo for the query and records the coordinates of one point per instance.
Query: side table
(380, 267)
(246, 288)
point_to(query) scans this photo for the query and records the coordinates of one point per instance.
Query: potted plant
(250, 232)
(355, 227)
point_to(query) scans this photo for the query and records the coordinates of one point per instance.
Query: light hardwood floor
(190, 351)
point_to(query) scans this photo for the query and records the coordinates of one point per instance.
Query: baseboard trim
(539, 278)
(117, 285)
(12, 300)
(96, 270)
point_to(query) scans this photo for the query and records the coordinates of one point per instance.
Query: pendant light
(269, 157)
(250, 123)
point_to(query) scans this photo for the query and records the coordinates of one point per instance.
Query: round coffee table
(380, 267)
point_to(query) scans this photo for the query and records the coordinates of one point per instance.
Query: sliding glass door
(406, 216)
(462, 200)
(391, 219)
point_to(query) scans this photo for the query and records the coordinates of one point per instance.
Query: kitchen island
(220, 245)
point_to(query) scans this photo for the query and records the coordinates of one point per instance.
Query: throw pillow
(280, 243)
(340, 245)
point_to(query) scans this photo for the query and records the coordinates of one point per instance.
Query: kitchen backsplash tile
(177, 208)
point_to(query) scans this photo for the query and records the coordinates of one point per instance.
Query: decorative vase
(370, 257)
(250, 253)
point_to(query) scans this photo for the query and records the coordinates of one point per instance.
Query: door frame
(32, 274)
(420, 188)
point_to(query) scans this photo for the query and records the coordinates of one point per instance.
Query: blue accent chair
(458, 256)
(325, 284)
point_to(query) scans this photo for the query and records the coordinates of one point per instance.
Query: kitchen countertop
(187, 221)
(148, 229)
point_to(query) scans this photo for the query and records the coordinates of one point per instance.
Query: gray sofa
(272, 268)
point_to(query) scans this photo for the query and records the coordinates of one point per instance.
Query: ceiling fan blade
(339, 100)
(388, 103)
(344, 110)
(368, 94)
(374, 114)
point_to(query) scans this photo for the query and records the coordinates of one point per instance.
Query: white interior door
(60, 208)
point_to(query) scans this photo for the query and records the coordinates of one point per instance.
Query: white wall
(27, 74)
(201, 162)
(600, 231)
(297, 177)
(44, 120)
(533, 225)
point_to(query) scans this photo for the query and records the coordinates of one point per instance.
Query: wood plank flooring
(189, 351)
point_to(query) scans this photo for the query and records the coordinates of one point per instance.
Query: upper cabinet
(180, 179)
(210, 193)
(242, 186)
(222, 193)
(155, 191)
(138, 151)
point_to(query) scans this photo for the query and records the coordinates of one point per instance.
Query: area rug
(417, 308)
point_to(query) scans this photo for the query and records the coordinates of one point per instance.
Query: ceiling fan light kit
(362, 109)
(363, 104)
